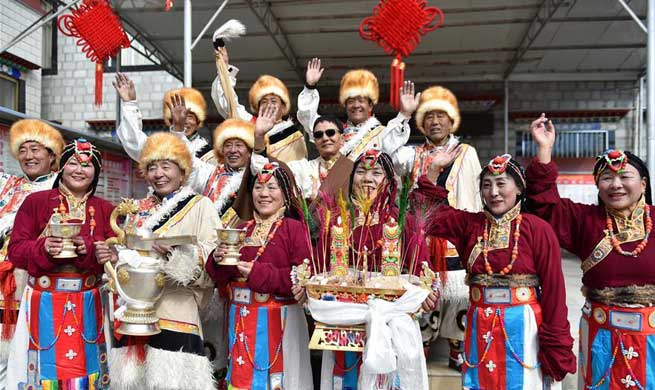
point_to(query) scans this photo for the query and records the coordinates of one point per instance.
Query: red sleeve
(451, 224)
(26, 250)
(268, 277)
(554, 334)
(221, 274)
(565, 216)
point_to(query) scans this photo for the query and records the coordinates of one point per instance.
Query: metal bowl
(65, 230)
(231, 236)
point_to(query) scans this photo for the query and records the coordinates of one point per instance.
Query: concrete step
(443, 378)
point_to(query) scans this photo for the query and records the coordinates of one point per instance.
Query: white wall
(14, 18)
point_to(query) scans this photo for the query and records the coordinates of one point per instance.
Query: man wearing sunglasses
(309, 174)
(358, 94)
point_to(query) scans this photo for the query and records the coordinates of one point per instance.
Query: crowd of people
(492, 233)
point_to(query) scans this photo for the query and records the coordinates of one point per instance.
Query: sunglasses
(328, 133)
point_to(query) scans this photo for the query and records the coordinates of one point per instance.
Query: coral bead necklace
(515, 247)
(617, 245)
(269, 238)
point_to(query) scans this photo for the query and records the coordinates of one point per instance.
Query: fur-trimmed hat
(192, 99)
(438, 98)
(35, 130)
(266, 85)
(233, 128)
(359, 82)
(166, 146)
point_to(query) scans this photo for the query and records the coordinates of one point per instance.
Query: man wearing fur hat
(37, 146)
(438, 117)
(130, 130)
(233, 143)
(285, 141)
(358, 94)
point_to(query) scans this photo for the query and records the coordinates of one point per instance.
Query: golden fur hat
(26, 130)
(359, 82)
(438, 98)
(266, 85)
(233, 128)
(166, 146)
(192, 99)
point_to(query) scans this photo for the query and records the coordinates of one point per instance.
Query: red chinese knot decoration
(397, 27)
(99, 32)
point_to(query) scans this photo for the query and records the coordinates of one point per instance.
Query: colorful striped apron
(67, 349)
(500, 345)
(256, 330)
(617, 347)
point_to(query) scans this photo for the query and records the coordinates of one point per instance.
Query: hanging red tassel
(99, 34)
(99, 76)
(397, 26)
(8, 286)
(393, 89)
(168, 5)
(400, 79)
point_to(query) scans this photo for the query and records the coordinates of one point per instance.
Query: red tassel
(99, 74)
(400, 81)
(137, 347)
(8, 286)
(438, 248)
(393, 91)
(168, 5)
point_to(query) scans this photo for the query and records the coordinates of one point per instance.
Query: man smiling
(37, 146)
(358, 94)
(309, 174)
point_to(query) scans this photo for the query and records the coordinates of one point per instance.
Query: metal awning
(486, 40)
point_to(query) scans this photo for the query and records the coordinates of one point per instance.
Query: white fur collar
(230, 187)
(164, 209)
(365, 128)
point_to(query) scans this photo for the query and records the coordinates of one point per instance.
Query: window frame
(17, 91)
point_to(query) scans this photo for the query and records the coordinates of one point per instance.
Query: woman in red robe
(617, 328)
(59, 341)
(267, 328)
(517, 330)
(372, 193)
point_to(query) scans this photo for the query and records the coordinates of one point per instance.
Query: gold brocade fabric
(501, 228)
(632, 227)
(76, 207)
(499, 233)
(263, 227)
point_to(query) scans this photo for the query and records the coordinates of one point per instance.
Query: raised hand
(314, 72)
(543, 134)
(221, 53)
(177, 105)
(408, 101)
(440, 160)
(265, 120)
(125, 87)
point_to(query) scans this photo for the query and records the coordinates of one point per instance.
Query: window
(9, 92)
(49, 42)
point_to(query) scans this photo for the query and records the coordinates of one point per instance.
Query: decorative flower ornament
(265, 174)
(498, 165)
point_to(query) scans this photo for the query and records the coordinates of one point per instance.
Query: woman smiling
(612, 239)
(267, 328)
(59, 341)
(517, 331)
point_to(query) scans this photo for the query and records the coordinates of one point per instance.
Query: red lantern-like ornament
(99, 32)
(397, 27)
